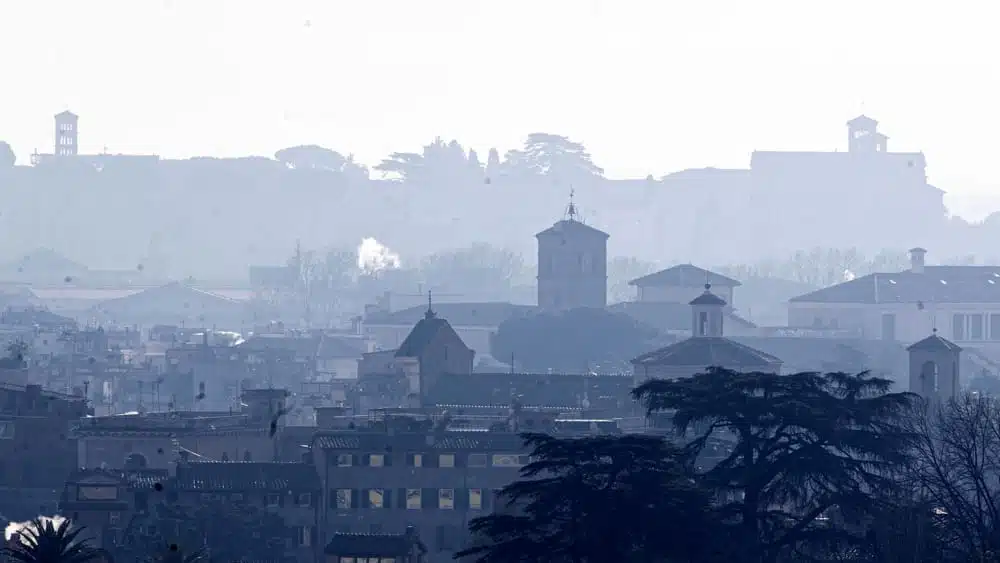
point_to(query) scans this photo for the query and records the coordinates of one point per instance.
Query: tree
(957, 463)
(806, 447)
(493, 165)
(553, 156)
(573, 341)
(50, 540)
(596, 499)
(402, 166)
(623, 269)
(7, 156)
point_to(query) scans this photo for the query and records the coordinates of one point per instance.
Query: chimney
(917, 260)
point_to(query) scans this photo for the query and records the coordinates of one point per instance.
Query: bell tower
(572, 264)
(67, 134)
(934, 368)
(707, 312)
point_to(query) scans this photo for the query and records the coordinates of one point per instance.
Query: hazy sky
(649, 87)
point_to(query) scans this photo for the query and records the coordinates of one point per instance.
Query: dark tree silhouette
(956, 469)
(596, 499)
(573, 341)
(807, 447)
(46, 541)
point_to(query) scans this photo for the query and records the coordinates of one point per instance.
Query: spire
(430, 314)
(571, 208)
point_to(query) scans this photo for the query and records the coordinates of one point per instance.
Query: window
(475, 499)
(976, 327)
(446, 499)
(376, 460)
(344, 498)
(236, 496)
(994, 327)
(477, 460)
(446, 460)
(7, 430)
(888, 326)
(114, 518)
(273, 501)
(305, 499)
(344, 460)
(305, 536)
(958, 326)
(376, 498)
(702, 324)
(509, 460)
(346, 560)
(414, 500)
(418, 460)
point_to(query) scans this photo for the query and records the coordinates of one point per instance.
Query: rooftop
(684, 275)
(936, 284)
(708, 351)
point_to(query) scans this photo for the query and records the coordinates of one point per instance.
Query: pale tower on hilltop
(66, 134)
(572, 264)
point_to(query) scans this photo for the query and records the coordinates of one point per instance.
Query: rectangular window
(343, 498)
(995, 326)
(344, 460)
(273, 501)
(346, 560)
(414, 500)
(376, 460)
(446, 499)
(958, 326)
(446, 460)
(236, 496)
(114, 518)
(509, 460)
(475, 499)
(418, 460)
(305, 499)
(477, 460)
(702, 324)
(305, 536)
(375, 498)
(888, 326)
(976, 327)
(7, 430)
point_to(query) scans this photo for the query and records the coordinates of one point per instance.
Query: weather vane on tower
(571, 208)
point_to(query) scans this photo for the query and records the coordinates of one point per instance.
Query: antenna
(571, 208)
(430, 314)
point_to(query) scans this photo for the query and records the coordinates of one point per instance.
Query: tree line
(761, 468)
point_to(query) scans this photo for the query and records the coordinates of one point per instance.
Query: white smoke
(849, 275)
(17, 527)
(373, 256)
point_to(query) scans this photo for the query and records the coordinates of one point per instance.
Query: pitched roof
(708, 351)
(708, 298)
(533, 389)
(684, 275)
(307, 346)
(331, 347)
(246, 475)
(458, 314)
(935, 343)
(167, 294)
(421, 336)
(572, 227)
(936, 284)
(862, 120)
(372, 545)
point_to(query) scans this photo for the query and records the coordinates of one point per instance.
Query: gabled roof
(937, 284)
(331, 347)
(863, 121)
(246, 476)
(304, 346)
(684, 275)
(458, 314)
(172, 291)
(66, 113)
(708, 351)
(571, 227)
(935, 343)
